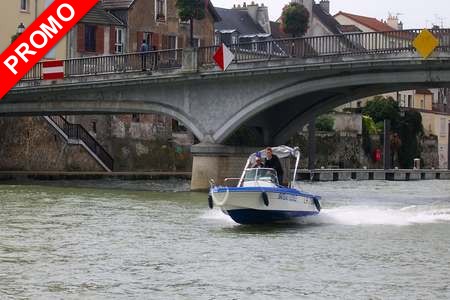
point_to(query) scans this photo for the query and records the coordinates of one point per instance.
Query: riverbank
(55, 175)
(373, 174)
(304, 175)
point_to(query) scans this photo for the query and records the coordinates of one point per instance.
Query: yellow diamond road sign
(425, 43)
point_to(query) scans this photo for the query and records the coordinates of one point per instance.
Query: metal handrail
(347, 44)
(78, 132)
(330, 45)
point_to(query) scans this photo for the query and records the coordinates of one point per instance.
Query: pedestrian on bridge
(144, 53)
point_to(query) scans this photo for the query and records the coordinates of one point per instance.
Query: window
(172, 44)
(196, 42)
(135, 118)
(410, 104)
(24, 5)
(422, 104)
(443, 131)
(94, 127)
(217, 39)
(89, 38)
(234, 38)
(160, 9)
(118, 48)
(178, 127)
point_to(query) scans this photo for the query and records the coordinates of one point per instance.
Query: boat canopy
(280, 151)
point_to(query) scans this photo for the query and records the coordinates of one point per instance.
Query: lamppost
(19, 31)
(20, 28)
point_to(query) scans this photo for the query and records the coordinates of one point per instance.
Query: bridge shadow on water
(293, 226)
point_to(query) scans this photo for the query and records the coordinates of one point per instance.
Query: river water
(372, 240)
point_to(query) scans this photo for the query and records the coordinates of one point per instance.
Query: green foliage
(295, 19)
(14, 37)
(370, 125)
(381, 108)
(325, 123)
(368, 128)
(410, 129)
(191, 9)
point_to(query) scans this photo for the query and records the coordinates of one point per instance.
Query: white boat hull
(255, 205)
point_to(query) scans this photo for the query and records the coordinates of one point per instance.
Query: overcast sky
(413, 13)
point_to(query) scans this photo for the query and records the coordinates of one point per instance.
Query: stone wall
(31, 144)
(333, 150)
(344, 150)
(139, 142)
(430, 152)
(347, 122)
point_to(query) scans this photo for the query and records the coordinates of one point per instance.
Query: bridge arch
(306, 99)
(277, 96)
(70, 107)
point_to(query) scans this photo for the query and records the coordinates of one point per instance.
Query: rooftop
(369, 22)
(98, 15)
(239, 20)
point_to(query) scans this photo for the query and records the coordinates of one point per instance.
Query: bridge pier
(215, 161)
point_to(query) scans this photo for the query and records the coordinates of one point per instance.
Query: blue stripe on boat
(280, 190)
(254, 216)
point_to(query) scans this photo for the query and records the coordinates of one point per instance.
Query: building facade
(21, 13)
(157, 22)
(98, 33)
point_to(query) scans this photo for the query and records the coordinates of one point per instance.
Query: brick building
(157, 22)
(98, 33)
(141, 141)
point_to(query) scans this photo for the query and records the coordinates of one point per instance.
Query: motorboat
(259, 197)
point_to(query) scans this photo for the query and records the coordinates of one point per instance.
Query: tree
(325, 123)
(190, 10)
(381, 108)
(295, 19)
(410, 129)
(406, 129)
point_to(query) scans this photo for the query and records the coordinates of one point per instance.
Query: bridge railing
(347, 44)
(330, 45)
(107, 64)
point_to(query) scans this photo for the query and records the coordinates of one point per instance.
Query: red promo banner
(39, 38)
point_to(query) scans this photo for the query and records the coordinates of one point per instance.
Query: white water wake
(363, 215)
(366, 215)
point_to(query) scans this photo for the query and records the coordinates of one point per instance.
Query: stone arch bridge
(277, 86)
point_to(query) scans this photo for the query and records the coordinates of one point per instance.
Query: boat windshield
(261, 174)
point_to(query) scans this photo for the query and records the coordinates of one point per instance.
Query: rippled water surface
(372, 240)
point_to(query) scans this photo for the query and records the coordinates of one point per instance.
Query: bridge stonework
(279, 96)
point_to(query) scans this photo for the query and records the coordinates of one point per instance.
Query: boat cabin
(260, 177)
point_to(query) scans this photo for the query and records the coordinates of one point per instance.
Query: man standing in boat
(272, 161)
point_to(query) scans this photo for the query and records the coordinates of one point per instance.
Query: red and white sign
(53, 69)
(39, 38)
(223, 57)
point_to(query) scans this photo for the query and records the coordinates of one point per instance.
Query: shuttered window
(89, 38)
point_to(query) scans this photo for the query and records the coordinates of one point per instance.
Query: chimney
(252, 10)
(325, 5)
(393, 22)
